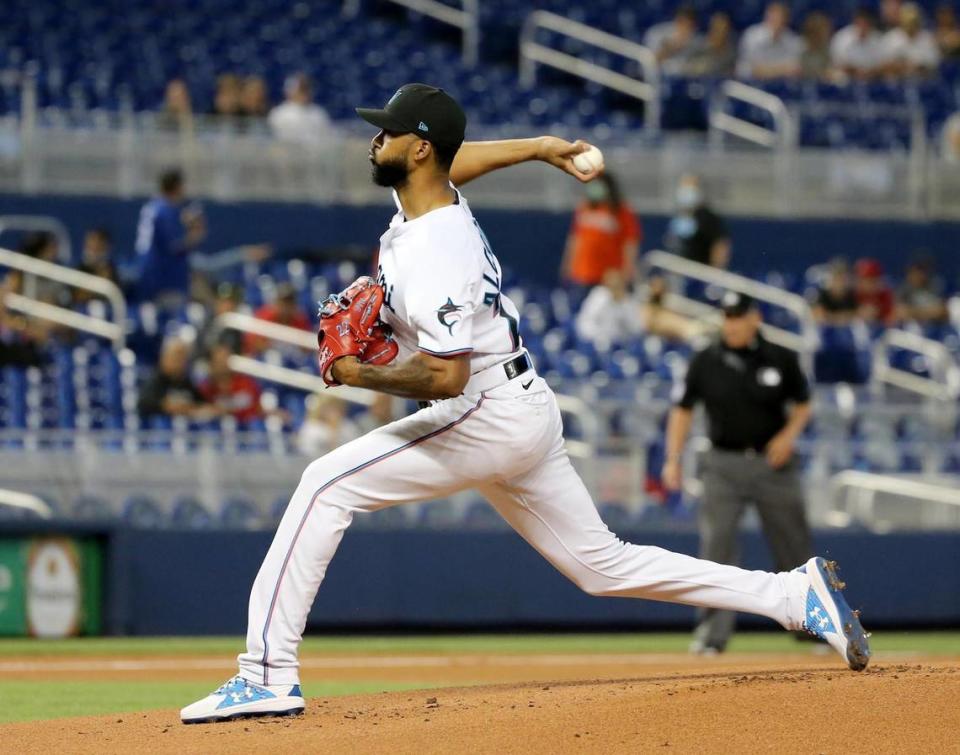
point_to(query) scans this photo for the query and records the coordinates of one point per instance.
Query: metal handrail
(944, 385)
(533, 53)
(865, 486)
(467, 19)
(25, 501)
(114, 329)
(41, 223)
(784, 132)
(276, 373)
(805, 343)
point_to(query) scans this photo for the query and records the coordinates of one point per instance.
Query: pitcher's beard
(389, 174)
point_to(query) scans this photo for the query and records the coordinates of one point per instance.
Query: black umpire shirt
(745, 392)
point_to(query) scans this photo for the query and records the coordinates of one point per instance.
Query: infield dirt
(655, 704)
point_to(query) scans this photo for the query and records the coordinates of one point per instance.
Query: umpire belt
(494, 376)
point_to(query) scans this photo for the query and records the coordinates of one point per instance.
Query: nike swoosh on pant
(526, 386)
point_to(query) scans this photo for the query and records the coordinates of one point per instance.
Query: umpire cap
(420, 109)
(735, 304)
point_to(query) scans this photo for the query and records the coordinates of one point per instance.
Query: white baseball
(588, 161)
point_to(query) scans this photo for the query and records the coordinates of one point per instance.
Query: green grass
(35, 700)
(938, 643)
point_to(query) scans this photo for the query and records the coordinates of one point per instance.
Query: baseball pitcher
(436, 327)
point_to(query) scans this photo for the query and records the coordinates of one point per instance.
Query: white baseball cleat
(240, 698)
(827, 615)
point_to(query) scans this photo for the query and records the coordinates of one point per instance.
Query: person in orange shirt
(605, 235)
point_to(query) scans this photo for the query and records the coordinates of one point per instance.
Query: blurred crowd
(602, 259)
(897, 43)
(244, 102)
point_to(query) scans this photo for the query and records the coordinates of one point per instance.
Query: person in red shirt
(284, 311)
(605, 235)
(231, 392)
(875, 300)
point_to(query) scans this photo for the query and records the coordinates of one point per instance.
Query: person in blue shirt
(168, 231)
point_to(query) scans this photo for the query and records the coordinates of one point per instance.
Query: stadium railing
(783, 134)
(856, 498)
(17, 500)
(943, 384)
(112, 328)
(805, 343)
(533, 53)
(29, 223)
(466, 18)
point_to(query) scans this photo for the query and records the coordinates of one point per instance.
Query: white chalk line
(402, 661)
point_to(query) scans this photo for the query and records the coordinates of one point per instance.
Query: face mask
(596, 191)
(688, 197)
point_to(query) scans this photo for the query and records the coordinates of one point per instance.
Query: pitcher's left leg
(551, 508)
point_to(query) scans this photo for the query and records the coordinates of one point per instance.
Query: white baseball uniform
(503, 436)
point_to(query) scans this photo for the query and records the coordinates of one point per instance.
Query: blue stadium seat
(189, 514)
(240, 514)
(143, 512)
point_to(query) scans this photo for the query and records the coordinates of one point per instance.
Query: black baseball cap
(735, 304)
(420, 109)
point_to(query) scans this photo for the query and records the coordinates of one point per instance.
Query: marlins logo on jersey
(449, 315)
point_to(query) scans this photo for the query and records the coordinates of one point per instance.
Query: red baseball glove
(349, 327)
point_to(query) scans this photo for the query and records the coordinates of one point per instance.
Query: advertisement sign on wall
(50, 586)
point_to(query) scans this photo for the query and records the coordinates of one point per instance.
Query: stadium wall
(160, 582)
(528, 242)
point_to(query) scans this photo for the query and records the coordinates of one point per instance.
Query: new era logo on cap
(423, 126)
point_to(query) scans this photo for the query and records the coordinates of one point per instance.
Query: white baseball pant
(507, 443)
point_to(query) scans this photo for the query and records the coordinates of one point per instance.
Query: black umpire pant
(731, 481)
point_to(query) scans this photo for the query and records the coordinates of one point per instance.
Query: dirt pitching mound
(888, 708)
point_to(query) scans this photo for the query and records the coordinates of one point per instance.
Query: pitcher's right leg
(399, 463)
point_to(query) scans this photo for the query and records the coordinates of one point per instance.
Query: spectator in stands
(857, 50)
(282, 311)
(605, 235)
(170, 390)
(836, 301)
(96, 255)
(697, 232)
(717, 55)
(96, 259)
(169, 230)
(298, 120)
(875, 302)
(658, 320)
(21, 338)
(676, 43)
(920, 298)
(326, 426)
(817, 31)
(947, 31)
(910, 50)
(254, 102)
(44, 246)
(609, 313)
(890, 14)
(233, 393)
(770, 50)
(177, 113)
(227, 299)
(227, 97)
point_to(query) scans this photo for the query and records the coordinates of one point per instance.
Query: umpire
(757, 401)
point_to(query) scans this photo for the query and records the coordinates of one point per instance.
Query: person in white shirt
(770, 50)
(298, 120)
(857, 49)
(676, 43)
(609, 312)
(910, 50)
